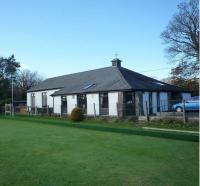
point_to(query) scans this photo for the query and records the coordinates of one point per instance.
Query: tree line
(22, 80)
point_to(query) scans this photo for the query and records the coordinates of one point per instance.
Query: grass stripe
(134, 131)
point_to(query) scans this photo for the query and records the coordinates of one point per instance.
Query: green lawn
(38, 153)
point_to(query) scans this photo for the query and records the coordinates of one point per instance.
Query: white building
(112, 91)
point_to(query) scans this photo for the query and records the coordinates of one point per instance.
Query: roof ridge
(121, 75)
(77, 72)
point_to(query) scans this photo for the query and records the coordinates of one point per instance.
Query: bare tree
(167, 80)
(182, 36)
(26, 79)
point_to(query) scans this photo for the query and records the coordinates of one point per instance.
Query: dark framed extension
(130, 103)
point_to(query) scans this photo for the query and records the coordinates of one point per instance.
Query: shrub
(76, 114)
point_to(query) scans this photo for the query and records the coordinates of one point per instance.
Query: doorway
(64, 105)
(129, 103)
(103, 97)
(82, 102)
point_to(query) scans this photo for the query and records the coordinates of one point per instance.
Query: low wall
(190, 116)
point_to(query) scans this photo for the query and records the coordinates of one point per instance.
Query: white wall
(71, 103)
(145, 99)
(154, 102)
(38, 98)
(112, 103)
(28, 99)
(91, 100)
(57, 105)
(163, 101)
(186, 96)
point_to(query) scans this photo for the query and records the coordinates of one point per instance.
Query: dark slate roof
(140, 82)
(103, 79)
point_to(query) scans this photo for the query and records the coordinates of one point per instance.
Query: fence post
(139, 110)
(61, 111)
(94, 109)
(28, 110)
(117, 109)
(184, 118)
(47, 109)
(35, 110)
(160, 106)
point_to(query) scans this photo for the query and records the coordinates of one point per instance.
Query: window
(64, 104)
(129, 98)
(129, 103)
(103, 97)
(104, 100)
(64, 98)
(88, 86)
(82, 101)
(33, 100)
(64, 101)
(159, 83)
(44, 99)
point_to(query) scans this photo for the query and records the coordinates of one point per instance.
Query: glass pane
(129, 103)
(104, 100)
(82, 101)
(64, 101)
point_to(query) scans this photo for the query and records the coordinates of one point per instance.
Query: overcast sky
(56, 37)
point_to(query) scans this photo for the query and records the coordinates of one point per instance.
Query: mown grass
(166, 123)
(108, 127)
(36, 153)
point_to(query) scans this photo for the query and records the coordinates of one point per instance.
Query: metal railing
(164, 108)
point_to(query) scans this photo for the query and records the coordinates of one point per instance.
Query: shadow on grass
(81, 125)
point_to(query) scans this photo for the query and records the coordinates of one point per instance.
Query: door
(103, 103)
(129, 103)
(64, 105)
